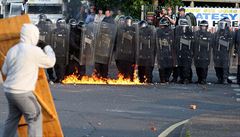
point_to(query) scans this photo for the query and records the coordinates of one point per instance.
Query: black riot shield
(88, 44)
(164, 42)
(222, 49)
(126, 44)
(105, 42)
(184, 41)
(146, 45)
(60, 44)
(203, 42)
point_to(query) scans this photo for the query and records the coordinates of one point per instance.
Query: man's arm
(46, 58)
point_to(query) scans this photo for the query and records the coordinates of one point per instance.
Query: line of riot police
(136, 45)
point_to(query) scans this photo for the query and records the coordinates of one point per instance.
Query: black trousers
(222, 73)
(165, 74)
(201, 73)
(185, 73)
(76, 68)
(175, 73)
(50, 74)
(145, 74)
(101, 70)
(125, 68)
(238, 74)
(60, 70)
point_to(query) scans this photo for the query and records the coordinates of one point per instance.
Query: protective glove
(42, 44)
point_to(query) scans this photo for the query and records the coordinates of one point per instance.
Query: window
(34, 9)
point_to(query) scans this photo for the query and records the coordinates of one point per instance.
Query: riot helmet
(224, 24)
(61, 23)
(42, 17)
(164, 22)
(203, 25)
(184, 24)
(121, 20)
(143, 24)
(128, 21)
(49, 24)
(73, 23)
(81, 24)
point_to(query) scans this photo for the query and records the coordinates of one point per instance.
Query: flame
(74, 79)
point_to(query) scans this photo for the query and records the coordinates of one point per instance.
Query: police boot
(219, 81)
(203, 82)
(225, 81)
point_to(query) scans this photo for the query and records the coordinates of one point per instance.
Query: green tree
(173, 3)
(133, 7)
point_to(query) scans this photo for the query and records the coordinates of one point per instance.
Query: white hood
(29, 34)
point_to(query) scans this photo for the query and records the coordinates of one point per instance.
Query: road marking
(127, 111)
(234, 85)
(237, 94)
(238, 99)
(236, 89)
(171, 128)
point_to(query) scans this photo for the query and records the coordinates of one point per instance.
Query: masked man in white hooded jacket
(21, 68)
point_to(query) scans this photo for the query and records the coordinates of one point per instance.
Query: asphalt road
(132, 111)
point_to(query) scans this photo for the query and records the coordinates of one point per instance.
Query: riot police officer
(237, 38)
(60, 44)
(222, 50)
(104, 45)
(202, 51)
(75, 45)
(126, 48)
(184, 47)
(145, 51)
(165, 57)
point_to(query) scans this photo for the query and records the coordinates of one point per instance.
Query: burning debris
(121, 80)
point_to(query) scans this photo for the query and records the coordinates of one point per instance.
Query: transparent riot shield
(60, 44)
(126, 44)
(146, 45)
(164, 42)
(88, 44)
(105, 43)
(203, 42)
(45, 28)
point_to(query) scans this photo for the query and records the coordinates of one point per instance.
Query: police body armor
(105, 42)
(222, 48)
(146, 46)
(184, 47)
(126, 44)
(60, 44)
(164, 41)
(202, 48)
(88, 44)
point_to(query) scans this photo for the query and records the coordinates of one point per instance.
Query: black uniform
(184, 50)
(126, 49)
(165, 52)
(237, 38)
(202, 53)
(75, 45)
(146, 52)
(221, 52)
(60, 44)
